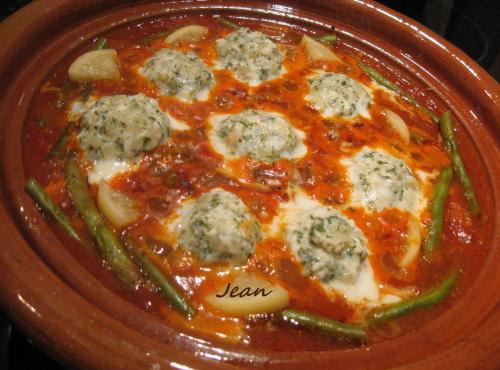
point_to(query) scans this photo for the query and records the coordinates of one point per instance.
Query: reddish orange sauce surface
(186, 166)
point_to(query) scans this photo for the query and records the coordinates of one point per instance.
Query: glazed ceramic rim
(31, 308)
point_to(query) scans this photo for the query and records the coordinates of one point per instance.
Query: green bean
(446, 126)
(108, 243)
(324, 324)
(82, 199)
(58, 149)
(328, 39)
(113, 252)
(376, 76)
(169, 292)
(437, 210)
(66, 90)
(50, 207)
(101, 43)
(227, 23)
(422, 108)
(147, 39)
(86, 91)
(431, 298)
(417, 138)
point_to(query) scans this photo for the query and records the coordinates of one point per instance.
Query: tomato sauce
(186, 166)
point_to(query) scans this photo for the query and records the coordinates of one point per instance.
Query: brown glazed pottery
(69, 313)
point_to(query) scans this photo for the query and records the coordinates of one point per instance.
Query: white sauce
(106, 169)
(177, 125)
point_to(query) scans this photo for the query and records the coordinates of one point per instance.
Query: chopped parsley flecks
(218, 227)
(381, 181)
(260, 135)
(123, 127)
(335, 94)
(328, 244)
(250, 55)
(183, 75)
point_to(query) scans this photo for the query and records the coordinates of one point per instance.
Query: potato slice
(187, 34)
(249, 294)
(397, 124)
(95, 65)
(413, 241)
(117, 207)
(316, 51)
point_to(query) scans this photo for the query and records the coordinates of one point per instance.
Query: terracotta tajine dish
(62, 303)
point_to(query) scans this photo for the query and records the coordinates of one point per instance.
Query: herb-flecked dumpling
(218, 227)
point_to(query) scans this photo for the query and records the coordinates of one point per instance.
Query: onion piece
(398, 124)
(264, 297)
(189, 33)
(95, 65)
(413, 241)
(117, 207)
(317, 51)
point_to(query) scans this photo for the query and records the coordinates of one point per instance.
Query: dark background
(472, 25)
